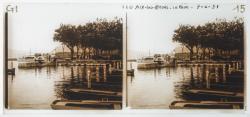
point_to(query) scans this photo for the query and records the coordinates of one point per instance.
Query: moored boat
(77, 93)
(205, 105)
(130, 72)
(31, 61)
(206, 94)
(85, 105)
(147, 63)
(151, 62)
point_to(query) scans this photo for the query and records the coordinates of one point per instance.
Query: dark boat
(77, 93)
(94, 85)
(11, 71)
(205, 94)
(130, 72)
(205, 105)
(85, 105)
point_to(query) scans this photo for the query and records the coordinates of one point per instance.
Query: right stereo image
(188, 57)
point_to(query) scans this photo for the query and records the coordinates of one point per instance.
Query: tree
(220, 37)
(93, 38)
(68, 35)
(187, 36)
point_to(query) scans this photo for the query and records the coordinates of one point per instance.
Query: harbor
(78, 67)
(210, 85)
(186, 64)
(78, 87)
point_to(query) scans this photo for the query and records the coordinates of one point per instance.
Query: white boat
(159, 59)
(151, 62)
(147, 62)
(30, 61)
(40, 59)
(27, 59)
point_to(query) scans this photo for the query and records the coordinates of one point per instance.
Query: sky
(149, 31)
(32, 27)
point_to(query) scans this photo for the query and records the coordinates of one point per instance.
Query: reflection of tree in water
(168, 72)
(194, 78)
(209, 77)
(78, 79)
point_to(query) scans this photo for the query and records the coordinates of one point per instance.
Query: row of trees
(220, 38)
(93, 39)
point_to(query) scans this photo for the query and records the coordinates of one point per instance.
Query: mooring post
(198, 72)
(110, 68)
(224, 72)
(117, 65)
(237, 66)
(229, 68)
(88, 78)
(240, 65)
(234, 66)
(216, 74)
(97, 74)
(104, 73)
(207, 76)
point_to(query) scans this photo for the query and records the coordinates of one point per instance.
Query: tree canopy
(95, 39)
(221, 37)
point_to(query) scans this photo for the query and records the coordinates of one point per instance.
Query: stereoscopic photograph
(75, 56)
(64, 56)
(185, 56)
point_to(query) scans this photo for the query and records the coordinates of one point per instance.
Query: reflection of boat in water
(85, 105)
(205, 105)
(150, 62)
(199, 94)
(77, 93)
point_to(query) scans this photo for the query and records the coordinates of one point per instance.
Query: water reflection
(39, 87)
(153, 88)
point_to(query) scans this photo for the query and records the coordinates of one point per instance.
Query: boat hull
(205, 105)
(92, 94)
(85, 105)
(153, 65)
(206, 95)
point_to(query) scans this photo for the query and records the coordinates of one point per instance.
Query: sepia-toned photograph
(124, 56)
(187, 56)
(64, 56)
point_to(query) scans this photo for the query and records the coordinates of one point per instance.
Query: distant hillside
(136, 54)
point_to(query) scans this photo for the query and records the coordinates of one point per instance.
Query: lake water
(157, 88)
(37, 88)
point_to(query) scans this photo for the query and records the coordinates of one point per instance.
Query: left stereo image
(64, 56)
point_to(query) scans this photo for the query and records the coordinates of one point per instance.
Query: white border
(126, 111)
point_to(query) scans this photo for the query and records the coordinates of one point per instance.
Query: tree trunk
(84, 53)
(77, 50)
(197, 53)
(203, 53)
(191, 53)
(89, 53)
(209, 53)
(72, 53)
